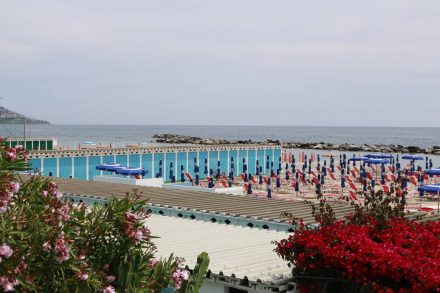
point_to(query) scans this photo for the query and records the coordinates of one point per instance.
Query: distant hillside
(9, 117)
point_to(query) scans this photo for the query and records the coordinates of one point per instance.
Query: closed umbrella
(249, 189)
(172, 177)
(269, 190)
(182, 174)
(267, 162)
(159, 175)
(206, 167)
(257, 168)
(218, 169)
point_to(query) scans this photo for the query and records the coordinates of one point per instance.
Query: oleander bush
(50, 244)
(375, 249)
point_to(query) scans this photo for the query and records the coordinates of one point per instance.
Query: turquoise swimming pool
(81, 164)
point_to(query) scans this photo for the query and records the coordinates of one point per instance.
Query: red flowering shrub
(374, 249)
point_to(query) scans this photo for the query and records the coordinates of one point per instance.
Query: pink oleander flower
(14, 186)
(8, 196)
(11, 154)
(138, 235)
(58, 195)
(46, 246)
(5, 251)
(130, 217)
(153, 262)
(83, 276)
(106, 267)
(3, 208)
(62, 249)
(81, 256)
(178, 277)
(44, 193)
(109, 289)
(8, 287)
(110, 279)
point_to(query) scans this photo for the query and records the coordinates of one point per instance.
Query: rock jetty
(381, 148)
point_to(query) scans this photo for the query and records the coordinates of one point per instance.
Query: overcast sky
(228, 62)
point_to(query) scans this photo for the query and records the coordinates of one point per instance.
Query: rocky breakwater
(375, 148)
(185, 139)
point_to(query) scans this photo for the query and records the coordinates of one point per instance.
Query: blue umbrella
(412, 157)
(432, 172)
(131, 171)
(257, 168)
(261, 170)
(267, 162)
(379, 156)
(260, 180)
(358, 159)
(232, 165)
(297, 176)
(297, 185)
(427, 164)
(430, 163)
(278, 184)
(376, 161)
(430, 188)
(109, 167)
(230, 179)
(342, 182)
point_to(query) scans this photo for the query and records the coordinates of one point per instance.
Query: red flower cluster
(396, 256)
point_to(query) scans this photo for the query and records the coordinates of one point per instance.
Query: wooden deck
(258, 208)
